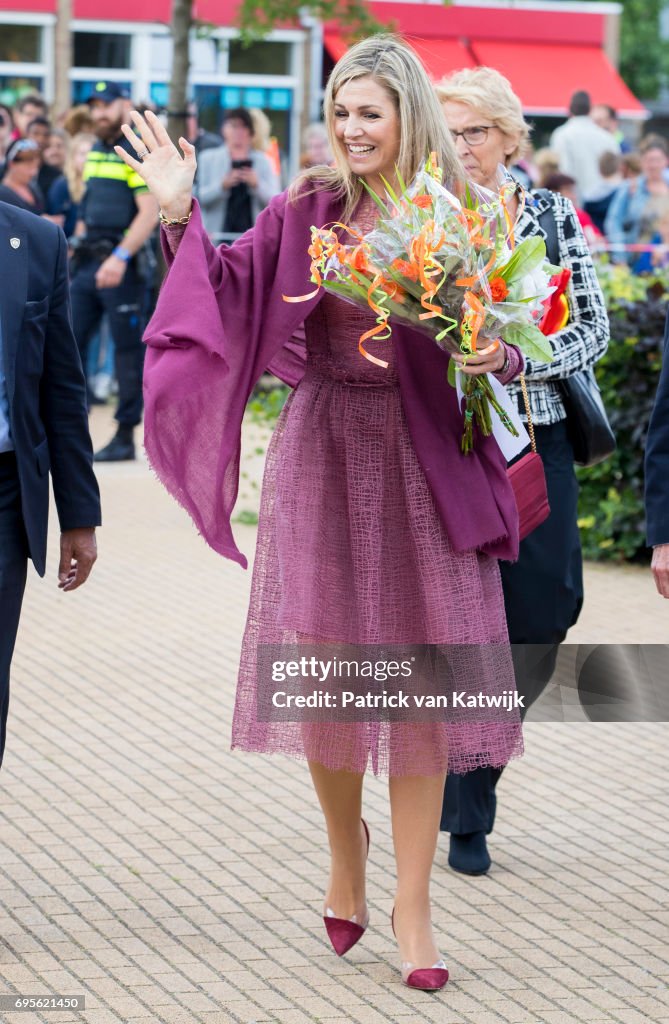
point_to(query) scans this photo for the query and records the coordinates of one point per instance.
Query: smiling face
(367, 127)
(480, 161)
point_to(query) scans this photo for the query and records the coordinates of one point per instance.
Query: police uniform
(108, 208)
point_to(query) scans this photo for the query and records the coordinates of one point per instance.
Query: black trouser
(543, 595)
(123, 306)
(13, 564)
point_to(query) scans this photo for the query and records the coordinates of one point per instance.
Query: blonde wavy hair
(74, 174)
(491, 94)
(394, 65)
(262, 129)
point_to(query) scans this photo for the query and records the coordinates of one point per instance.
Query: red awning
(440, 56)
(335, 45)
(545, 76)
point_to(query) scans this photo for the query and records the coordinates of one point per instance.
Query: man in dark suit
(43, 423)
(657, 477)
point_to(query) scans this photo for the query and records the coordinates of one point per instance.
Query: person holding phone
(235, 182)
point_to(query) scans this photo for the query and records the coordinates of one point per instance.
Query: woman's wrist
(509, 366)
(175, 211)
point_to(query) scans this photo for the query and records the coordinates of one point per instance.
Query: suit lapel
(13, 291)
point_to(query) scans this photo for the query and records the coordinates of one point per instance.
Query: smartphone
(236, 164)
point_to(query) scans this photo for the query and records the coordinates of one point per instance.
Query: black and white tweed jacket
(585, 338)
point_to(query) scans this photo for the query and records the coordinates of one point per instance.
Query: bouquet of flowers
(449, 267)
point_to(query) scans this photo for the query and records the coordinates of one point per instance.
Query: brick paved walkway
(169, 880)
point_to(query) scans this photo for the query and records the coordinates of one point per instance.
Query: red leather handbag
(528, 480)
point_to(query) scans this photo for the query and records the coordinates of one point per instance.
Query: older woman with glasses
(543, 590)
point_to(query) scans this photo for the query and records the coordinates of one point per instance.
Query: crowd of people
(65, 173)
(70, 174)
(621, 194)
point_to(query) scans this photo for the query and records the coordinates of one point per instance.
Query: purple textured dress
(350, 548)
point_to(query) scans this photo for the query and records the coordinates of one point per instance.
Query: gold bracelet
(177, 220)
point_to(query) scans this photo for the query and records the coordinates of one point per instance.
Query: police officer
(118, 215)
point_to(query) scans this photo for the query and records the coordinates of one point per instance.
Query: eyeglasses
(474, 136)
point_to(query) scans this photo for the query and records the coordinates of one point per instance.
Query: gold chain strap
(530, 426)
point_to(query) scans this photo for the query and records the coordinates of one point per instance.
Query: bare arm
(112, 270)
(144, 223)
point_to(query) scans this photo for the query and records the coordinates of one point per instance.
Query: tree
(62, 52)
(182, 22)
(644, 54)
(258, 17)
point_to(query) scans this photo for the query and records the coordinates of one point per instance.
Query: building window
(161, 55)
(205, 55)
(159, 93)
(12, 87)
(259, 58)
(98, 50)
(213, 100)
(21, 43)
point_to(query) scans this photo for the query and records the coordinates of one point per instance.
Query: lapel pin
(15, 242)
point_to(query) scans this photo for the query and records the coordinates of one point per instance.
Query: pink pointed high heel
(345, 932)
(429, 979)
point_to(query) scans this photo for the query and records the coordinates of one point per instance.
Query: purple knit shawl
(221, 322)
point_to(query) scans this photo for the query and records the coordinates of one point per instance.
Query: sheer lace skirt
(350, 548)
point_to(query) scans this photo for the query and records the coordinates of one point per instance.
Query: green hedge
(611, 511)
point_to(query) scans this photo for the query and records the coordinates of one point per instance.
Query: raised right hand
(168, 174)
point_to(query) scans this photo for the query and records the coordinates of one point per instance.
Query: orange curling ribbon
(510, 224)
(324, 245)
(422, 256)
(467, 282)
(507, 219)
(381, 324)
(475, 317)
(303, 298)
(474, 222)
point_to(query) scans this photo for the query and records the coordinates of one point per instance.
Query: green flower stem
(480, 399)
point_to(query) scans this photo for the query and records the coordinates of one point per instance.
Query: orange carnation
(356, 259)
(425, 202)
(499, 289)
(406, 269)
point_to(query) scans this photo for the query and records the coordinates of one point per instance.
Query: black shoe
(468, 853)
(119, 449)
